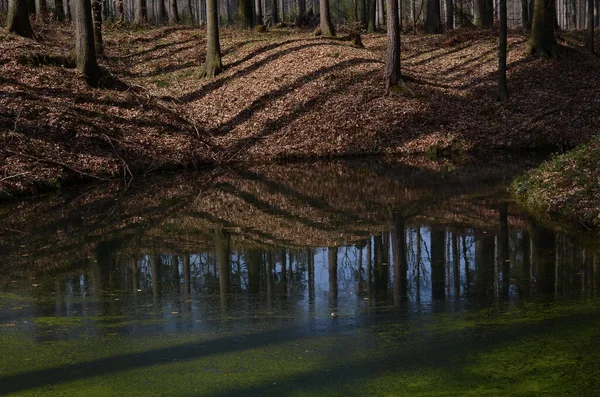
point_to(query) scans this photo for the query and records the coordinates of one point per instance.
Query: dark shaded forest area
(107, 90)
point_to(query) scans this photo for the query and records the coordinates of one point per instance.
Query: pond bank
(567, 186)
(284, 95)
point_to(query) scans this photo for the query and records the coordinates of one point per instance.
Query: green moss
(565, 186)
(520, 351)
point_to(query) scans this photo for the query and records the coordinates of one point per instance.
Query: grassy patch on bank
(567, 186)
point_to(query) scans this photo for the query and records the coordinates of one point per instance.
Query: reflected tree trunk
(332, 253)
(504, 250)
(456, 264)
(438, 261)
(253, 260)
(543, 254)
(400, 259)
(223, 247)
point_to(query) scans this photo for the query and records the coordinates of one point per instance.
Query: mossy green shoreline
(567, 186)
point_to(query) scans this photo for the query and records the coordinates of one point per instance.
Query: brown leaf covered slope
(284, 94)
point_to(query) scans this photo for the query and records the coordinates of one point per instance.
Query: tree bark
(212, 65)
(274, 12)
(372, 25)
(40, 10)
(432, 18)
(449, 15)
(59, 10)
(141, 12)
(160, 12)
(67, 10)
(393, 74)
(84, 43)
(97, 20)
(326, 25)
(246, 13)
(482, 13)
(173, 12)
(502, 85)
(541, 40)
(380, 14)
(590, 22)
(524, 14)
(301, 19)
(18, 18)
(363, 14)
(258, 15)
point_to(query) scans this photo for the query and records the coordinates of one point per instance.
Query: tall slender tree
(120, 10)
(40, 10)
(380, 14)
(393, 75)
(97, 20)
(258, 14)
(173, 12)
(18, 18)
(59, 10)
(141, 12)
(274, 12)
(449, 14)
(372, 24)
(85, 50)
(541, 40)
(363, 14)
(160, 12)
(212, 65)
(301, 19)
(590, 22)
(502, 85)
(433, 21)
(326, 25)
(246, 13)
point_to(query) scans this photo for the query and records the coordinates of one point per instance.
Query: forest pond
(350, 278)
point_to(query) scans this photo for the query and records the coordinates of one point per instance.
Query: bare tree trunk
(432, 18)
(372, 24)
(173, 12)
(18, 18)
(363, 14)
(212, 65)
(542, 41)
(590, 22)
(326, 25)
(40, 10)
(274, 12)
(502, 86)
(380, 14)
(413, 13)
(246, 13)
(59, 10)
(160, 12)
(97, 20)
(141, 13)
(67, 9)
(524, 14)
(393, 75)
(84, 43)
(258, 15)
(449, 14)
(301, 20)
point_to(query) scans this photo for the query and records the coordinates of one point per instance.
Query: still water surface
(339, 278)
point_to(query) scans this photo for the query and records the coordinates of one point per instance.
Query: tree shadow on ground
(441, 351)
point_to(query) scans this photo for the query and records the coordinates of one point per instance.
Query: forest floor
(284, 94)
